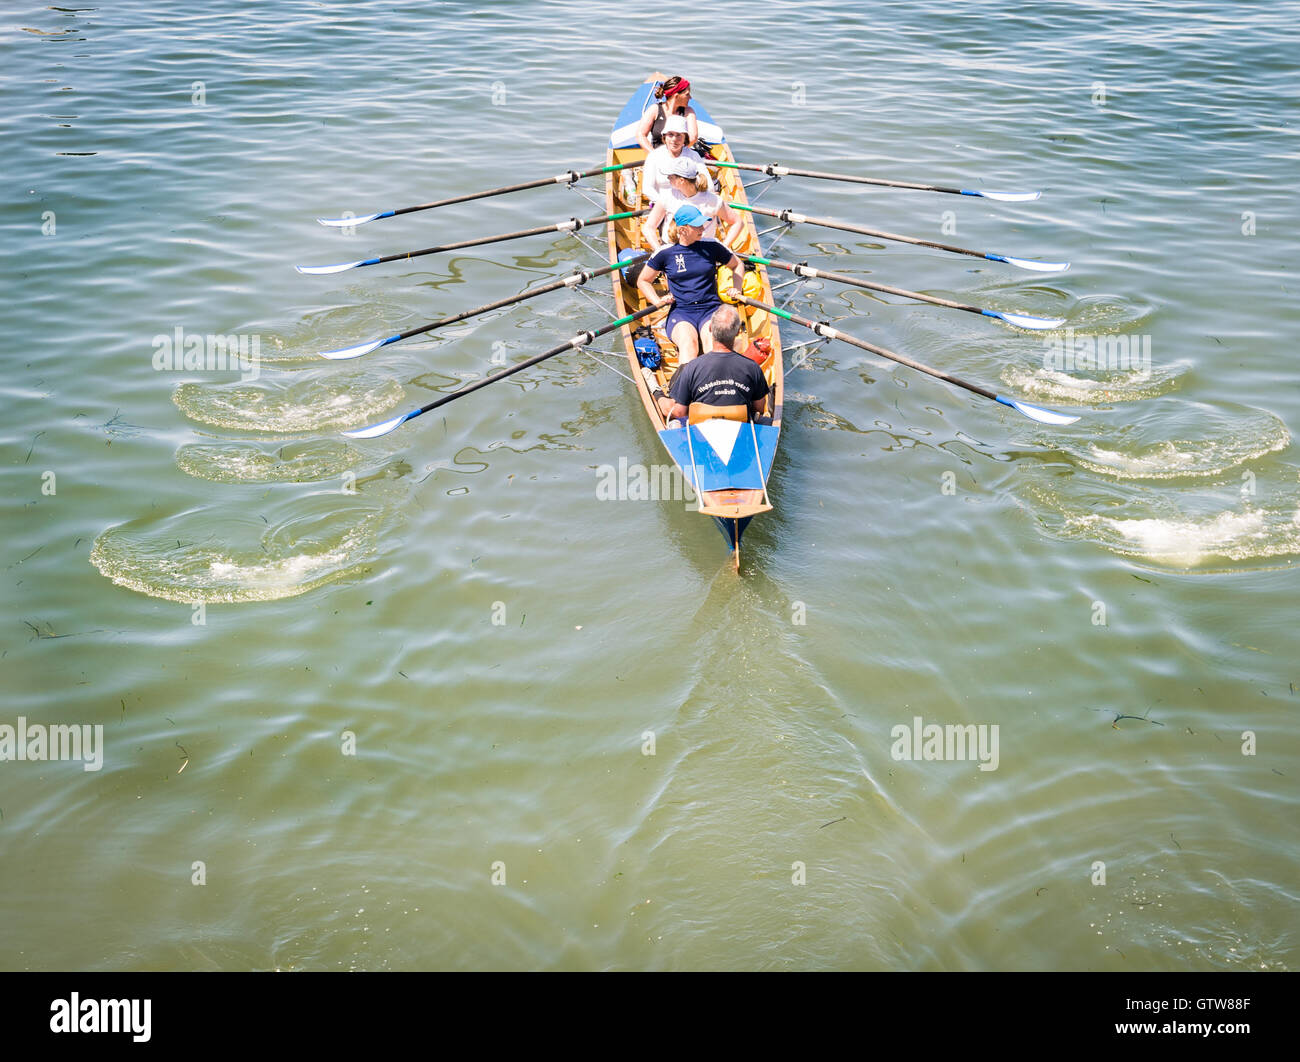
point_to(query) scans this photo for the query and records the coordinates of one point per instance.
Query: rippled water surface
(430, 701)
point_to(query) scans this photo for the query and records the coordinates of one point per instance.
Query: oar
(800, 269)
(773, 169)
(791, 217)
(822, 328)
(582, 339)
(570, 281)
(571, 225)
(571, 177)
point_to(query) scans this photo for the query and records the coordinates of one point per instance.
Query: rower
(690, 266)
(654, 179)
(689, 186)
(721, 382)
(674, 97)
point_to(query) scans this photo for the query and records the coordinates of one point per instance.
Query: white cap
(681, 166)
(675, 123)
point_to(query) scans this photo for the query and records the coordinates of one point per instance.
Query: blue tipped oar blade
(339, 268)
(1004, 197)
(1025, 263)
(1038, 413)
(382, 428)
(345, 223)
(1024, 320)
(343, 353)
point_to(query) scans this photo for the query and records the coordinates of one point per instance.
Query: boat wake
(331, 401)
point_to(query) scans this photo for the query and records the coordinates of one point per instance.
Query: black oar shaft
(571, 280)
(572, 225)
(800, 269)
(569, 178)
(580, 340)
(773, 169)
(823, 328)
(791, 217)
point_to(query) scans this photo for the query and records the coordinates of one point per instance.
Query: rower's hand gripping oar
(790, 217)
(571, 177)
(582, 339)
(802, 269)
(570, 281)
(773, 169)
(570, 225)
(822, 328)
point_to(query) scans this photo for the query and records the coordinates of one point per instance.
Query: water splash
(1103, 387)
(249, 463)
(1230, 439)
(285, 561)
(328, 402)
(1165, 526)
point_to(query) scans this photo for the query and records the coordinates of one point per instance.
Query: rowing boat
(722, 456)
(726, 462)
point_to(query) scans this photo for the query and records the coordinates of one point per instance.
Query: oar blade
(344, 353)
(1027, 263)
(347, 223)
(1004, 197)
(382, 428)
(1024, 320)
(316, 271)
(1038, 413)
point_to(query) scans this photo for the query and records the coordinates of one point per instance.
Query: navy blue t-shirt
(719, 378)
(691, 271)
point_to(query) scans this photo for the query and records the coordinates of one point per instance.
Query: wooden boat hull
(727, 464)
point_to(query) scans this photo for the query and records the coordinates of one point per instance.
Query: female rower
(675, 98)
(690, 266)
(689, 186)
(654, 180)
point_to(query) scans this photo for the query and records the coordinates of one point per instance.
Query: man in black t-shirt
(721, 377)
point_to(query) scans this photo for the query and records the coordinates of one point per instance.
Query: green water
(428, 701)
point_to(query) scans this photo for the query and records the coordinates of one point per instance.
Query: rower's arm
(692, 127)
(735, 230)
(643, 130)
(646, 285)
(651, 226)
(737, 268)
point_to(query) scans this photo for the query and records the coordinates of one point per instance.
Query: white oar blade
(376, 430)
(1024, 320)
(1037, 267)
(320, 270)
(344, 353)
(345, 223)
(1011, 197)
(1038, 413)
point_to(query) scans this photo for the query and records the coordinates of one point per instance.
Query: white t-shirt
(707, 203)
(654, 182)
